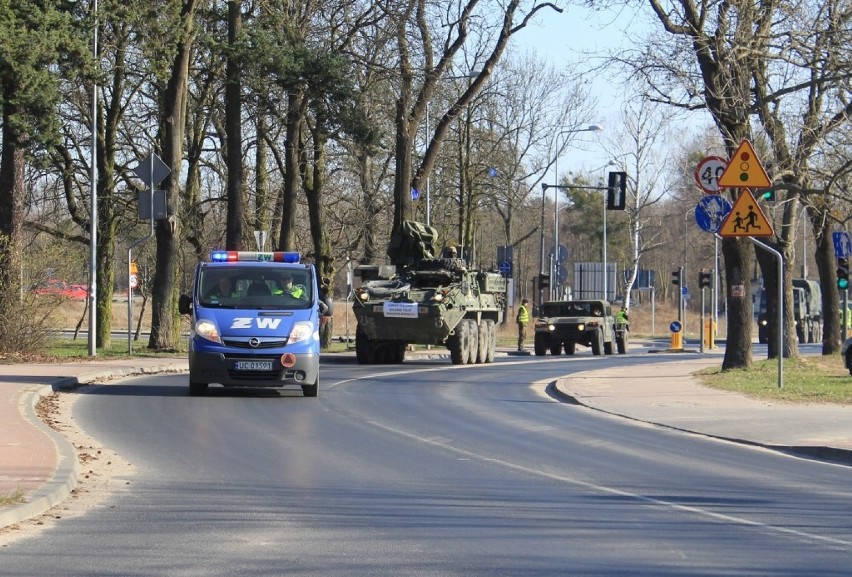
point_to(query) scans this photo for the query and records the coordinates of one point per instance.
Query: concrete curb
(821, 453)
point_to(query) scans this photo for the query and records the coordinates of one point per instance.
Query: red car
(63, 289)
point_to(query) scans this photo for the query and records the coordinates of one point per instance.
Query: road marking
(618, 492)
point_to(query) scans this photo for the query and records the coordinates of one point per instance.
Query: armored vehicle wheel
(398, 353)
(556, 349)
(197, 389)
(483, 342)
(473, 341)
(365, 354)
(540, 345)
(458, 344)
(491, 330)
(597, 343)
(608, 348)
(621, 343)
(570, 348)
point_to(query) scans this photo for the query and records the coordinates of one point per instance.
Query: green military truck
(426, 299)
(562, 325)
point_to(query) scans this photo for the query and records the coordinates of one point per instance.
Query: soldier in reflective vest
(523, 319)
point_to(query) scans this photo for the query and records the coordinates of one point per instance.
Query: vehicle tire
(491, 329)
(622, 343)
(311, 390)
(597, 344)
(457, 343)
(570, 348)
(197, 389)
(364, 352)
(608, 348)
(555, 349)
(473, 341)
(398, 353)
(483, 342)
(540, 345)
(800, 334)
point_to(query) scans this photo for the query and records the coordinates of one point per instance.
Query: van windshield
(248, 287)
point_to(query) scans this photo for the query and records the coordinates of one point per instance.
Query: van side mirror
(323, 309)
(184, 305)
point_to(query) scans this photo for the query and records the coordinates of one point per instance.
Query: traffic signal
(768, 195)
(676, 277)
(616, 191)
(704, 279)
(543, 281)
(842, 273)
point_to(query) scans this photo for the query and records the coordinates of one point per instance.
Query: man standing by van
(523, 320)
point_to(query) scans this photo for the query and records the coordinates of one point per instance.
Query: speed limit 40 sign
(708, 172)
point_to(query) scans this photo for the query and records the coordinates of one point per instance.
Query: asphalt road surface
(427, 469)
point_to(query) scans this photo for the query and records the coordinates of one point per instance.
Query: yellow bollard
(709, 334)
(677, 340)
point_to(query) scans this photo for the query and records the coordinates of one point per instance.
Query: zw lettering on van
(249, 323)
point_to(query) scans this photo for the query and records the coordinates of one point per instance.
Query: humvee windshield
(570, 309)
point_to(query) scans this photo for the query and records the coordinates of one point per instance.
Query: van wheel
(197, 389)
(311, 390)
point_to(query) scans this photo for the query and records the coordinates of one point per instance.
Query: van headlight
(302, 331)
(208, 330)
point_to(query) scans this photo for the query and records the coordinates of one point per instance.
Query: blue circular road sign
(505, 268)
(710, 212)
(675, 327)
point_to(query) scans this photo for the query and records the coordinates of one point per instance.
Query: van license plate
(253, 366)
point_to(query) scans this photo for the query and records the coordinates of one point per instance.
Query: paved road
(427, 469)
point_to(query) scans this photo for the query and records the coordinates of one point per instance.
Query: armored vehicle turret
(427, 300)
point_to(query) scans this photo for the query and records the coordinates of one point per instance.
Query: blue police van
(255, 322)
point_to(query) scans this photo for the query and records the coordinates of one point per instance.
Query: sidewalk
(35, 460)
(42, 464)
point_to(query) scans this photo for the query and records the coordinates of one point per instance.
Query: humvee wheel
(539, 346)
(597, 343)
(621, 343)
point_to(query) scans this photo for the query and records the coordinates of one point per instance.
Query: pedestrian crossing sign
(744, 169)
(746, 218)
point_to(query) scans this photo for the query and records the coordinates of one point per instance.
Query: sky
(559, 38)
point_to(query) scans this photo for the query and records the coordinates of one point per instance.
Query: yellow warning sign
(745, 218)
(744, 169)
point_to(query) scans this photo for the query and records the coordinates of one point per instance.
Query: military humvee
(566, 324)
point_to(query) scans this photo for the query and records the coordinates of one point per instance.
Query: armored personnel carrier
(427, 300)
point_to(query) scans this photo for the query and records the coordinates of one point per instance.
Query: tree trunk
(234, 130)
(824, 253)
(11, 223)
(165, 319)
(292, 154)
(738, 256)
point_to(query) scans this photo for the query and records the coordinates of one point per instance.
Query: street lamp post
(555, 269)
(605, 270)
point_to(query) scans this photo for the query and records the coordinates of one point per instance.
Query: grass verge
(818, 379)
(13, 499)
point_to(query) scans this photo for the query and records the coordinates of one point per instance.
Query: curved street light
(554, 269)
